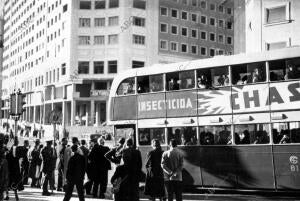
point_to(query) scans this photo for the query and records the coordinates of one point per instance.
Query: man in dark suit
(99, 167)
(133, 160)
(75, 175)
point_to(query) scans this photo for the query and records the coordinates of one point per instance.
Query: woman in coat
(154, 186)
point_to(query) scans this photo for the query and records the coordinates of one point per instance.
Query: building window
(113, 39)
(203, 35)
(212, 7)
(229, 40)
(220, 52)
(63, 69)
(164, 45)
(194, 33)
(99, 22)
(185, 2)
(221, 23)
(163, 28)
(276, 45)
(184, 31)
(98, 67)
(221, 38)
(138, 21)
(65, 8)
(221, 9)
(138, 64)
(211, 52)
(194, 2)
(184, 15)
(194, 17)
(100, 4)
(113, 21)
(276, 14)
(84, 40)
(140, 4)
(100, 85)
(138, 39)
(174, 13)
(203, 51)
(212, 37)
(212, 21)
(174, 29)
(113, 3)
(85, 5)
(184, 48)
(203, 19)
(229, 25)
(112, 66)
(163, 11)
(174, 46)
(83, 67)
(203, 4)
(229, 11)
(194, 49)
(84, 22)
(99, 40)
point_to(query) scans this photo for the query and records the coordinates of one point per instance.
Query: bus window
(252, 134)
(204, 78)
(187, 79)
(215, 135)
(286, 133)
(183, 135)
(146, 135)
(156, 83)
(277, 70)
(248, 73)
(292, 70)
(173, 81)
(126, 87)
(143, 84)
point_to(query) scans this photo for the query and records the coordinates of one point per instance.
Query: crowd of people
(77, 163)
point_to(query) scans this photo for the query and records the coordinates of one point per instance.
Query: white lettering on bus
(171, 104)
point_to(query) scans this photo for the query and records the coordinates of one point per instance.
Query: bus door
(286, 149)
(125, 131)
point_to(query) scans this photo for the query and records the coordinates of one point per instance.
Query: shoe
(46, 193)
(59, 189)
(6, 198)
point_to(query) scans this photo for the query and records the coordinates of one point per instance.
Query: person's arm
(148, 161)
(164, 166)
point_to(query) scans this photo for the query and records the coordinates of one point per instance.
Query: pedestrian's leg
(45, 184)
(95, 188)
(69, 190)
(178, 190)
(80, 191)
(60, 179)
(103, 184)
(169, 188)
(16, 194)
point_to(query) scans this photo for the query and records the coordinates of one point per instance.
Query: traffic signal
(20, 103)
(13, 102)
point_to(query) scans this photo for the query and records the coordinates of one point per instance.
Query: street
(30, 194)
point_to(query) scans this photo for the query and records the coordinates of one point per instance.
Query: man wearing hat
(49, 160)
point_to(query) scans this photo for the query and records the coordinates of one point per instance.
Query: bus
(236, 118)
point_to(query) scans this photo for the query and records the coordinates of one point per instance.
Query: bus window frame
(290, 133)
(214, 135)
(150, 140)
(183, 126)
(135, 87)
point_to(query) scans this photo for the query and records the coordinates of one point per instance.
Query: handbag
(117, 184)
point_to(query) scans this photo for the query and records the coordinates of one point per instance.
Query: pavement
(35, 194)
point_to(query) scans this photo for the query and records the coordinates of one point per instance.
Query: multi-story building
(65, 53)
(272, 24)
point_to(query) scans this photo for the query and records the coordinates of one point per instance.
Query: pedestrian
(15, 177)
(35, 163)
(133, 160)
(75, 174)
(49, 159)
(25, 162)
(99, 167)
(84, 149)
(115, 154)
(3, 167)
(60, 168)
(172, 164)
(154, 185)
(120, 184)
(89, 184)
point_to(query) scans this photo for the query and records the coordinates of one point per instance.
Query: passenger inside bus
(206, 138)
(243, 137)
(202, 82)
(261, 137)
(173, 84)
(224, 138)
(257, 76)
(291, 72)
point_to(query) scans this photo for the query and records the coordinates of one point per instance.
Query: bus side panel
(125, 108)
(217, 166)
(191, 174)
(287, 167)
(254, 167)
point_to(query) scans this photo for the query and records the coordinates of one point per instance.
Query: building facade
(271, 24)
(64, 54)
